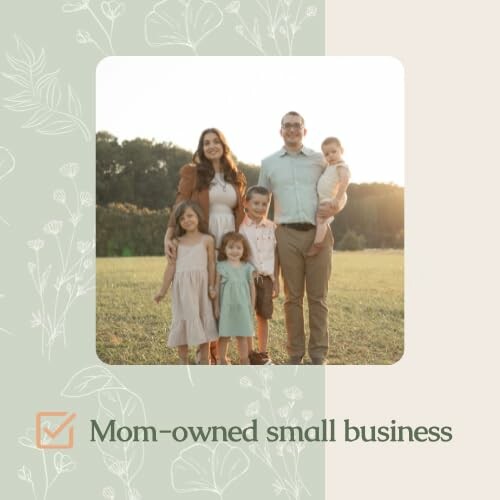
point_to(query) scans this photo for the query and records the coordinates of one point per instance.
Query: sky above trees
(172, 99)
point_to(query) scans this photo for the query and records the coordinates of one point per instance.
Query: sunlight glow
(360, 100)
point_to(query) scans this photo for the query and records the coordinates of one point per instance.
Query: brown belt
(299, 226)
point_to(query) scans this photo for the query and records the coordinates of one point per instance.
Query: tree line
(136, 183)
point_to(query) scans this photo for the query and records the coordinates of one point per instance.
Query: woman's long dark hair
(205, 169)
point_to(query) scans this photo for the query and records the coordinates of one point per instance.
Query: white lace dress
(222, 200)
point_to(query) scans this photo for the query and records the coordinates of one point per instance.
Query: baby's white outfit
(328, 183)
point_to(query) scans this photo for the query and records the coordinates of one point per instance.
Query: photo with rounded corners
(250, 210)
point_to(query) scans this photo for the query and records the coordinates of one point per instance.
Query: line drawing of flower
(115, 401)
(200, 468)
(293, 393)
(281, 20)
(41, 93)
(283, 459)
(110, 11)
(7, 166)
(181, 22)
(61, 464)
(75, 277)
(70, 170)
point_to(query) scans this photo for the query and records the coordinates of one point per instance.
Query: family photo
(258, 222)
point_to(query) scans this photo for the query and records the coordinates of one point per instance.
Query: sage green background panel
(47, 270)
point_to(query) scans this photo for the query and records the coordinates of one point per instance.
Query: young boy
(259, 231)
(332, 186)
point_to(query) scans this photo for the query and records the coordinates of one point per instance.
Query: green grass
(365, 304)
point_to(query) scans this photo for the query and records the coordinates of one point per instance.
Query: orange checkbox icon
(53, 429)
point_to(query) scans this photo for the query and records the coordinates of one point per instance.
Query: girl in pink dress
(192, 276)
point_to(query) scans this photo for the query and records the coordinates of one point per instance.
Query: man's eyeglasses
(289, 126)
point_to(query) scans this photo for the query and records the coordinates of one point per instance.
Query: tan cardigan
(186, 190)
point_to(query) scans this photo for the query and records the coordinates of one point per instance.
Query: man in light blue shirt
(291, 174)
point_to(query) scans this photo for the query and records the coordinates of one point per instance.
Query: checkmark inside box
(54, 429)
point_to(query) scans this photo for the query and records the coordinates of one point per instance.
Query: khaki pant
(310, 274)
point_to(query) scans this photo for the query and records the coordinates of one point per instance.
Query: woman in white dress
(212, 180)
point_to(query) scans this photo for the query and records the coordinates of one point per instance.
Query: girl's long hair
(234, 236)
(179, 212)
(205, 169)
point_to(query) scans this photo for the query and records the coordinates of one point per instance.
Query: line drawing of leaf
(89, 381)
(192, 471)
(7, 162)
(43, 95)
(74, 104)
(18, 79)
(200, 468)
(57, 127)
(124, 407)
(230, 463)
(7, 166)
(37, 118)
(115, 401)
(176, 22)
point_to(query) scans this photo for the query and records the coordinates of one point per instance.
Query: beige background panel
(449, 374)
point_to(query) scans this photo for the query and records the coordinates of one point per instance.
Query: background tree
(108, 168)
(136, 183)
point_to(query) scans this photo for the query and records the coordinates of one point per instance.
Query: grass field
(365, 311)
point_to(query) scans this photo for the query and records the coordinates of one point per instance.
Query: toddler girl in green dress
(235, 300)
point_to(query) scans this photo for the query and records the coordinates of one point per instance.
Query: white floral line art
(200, 468)
(282, 20)
(74, 277)
(61, 463)
(115, 402)
(111, 10)
(53, 112)
(7, 166)
(181, 22)
(283, 459)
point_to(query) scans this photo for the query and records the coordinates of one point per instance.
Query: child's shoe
(259, 358)
(254, 358)
(266, 360)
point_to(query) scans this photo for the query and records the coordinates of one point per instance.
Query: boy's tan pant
(310, 274)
